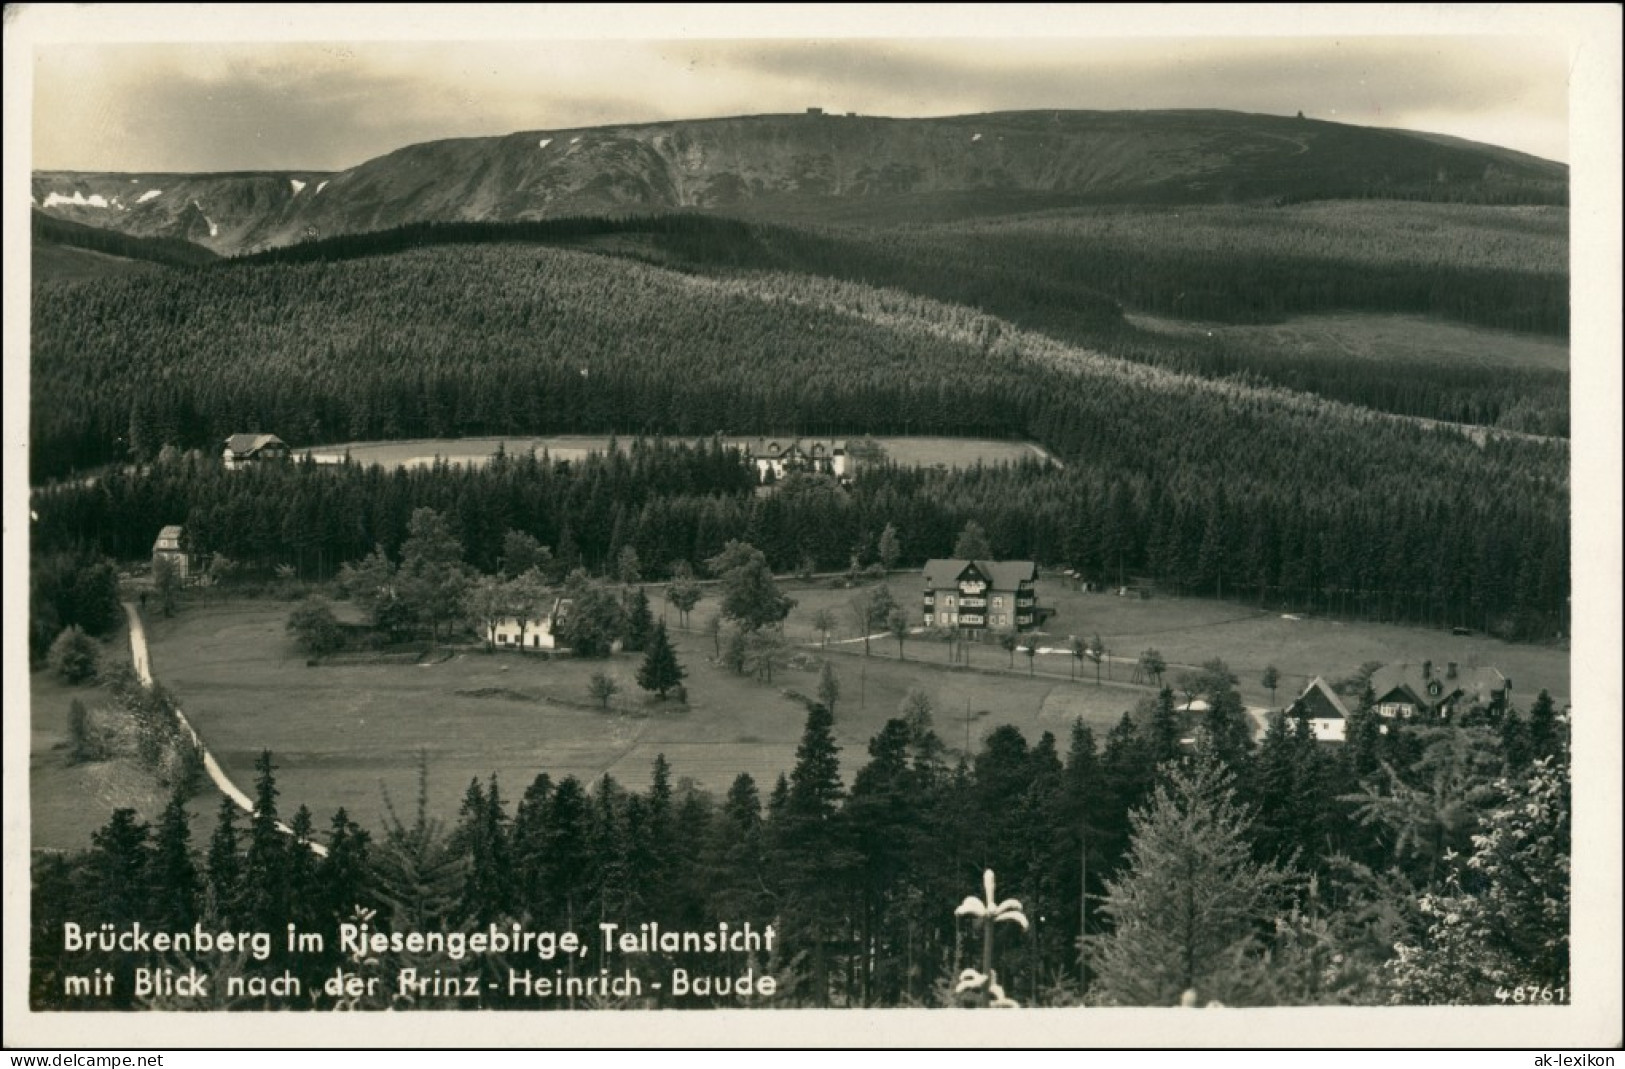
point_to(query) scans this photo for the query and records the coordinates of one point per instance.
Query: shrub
(315, 627)
(73, 656)
(86, 740)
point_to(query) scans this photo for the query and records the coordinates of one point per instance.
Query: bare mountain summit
(812, 166)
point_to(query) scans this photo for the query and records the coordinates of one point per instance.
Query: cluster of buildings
(777, 457)
(1403, 692)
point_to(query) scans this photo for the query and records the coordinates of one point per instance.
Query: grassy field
(916, 451)
(340, 732)
(1384, 337)
(1188, 631)
(344, 733)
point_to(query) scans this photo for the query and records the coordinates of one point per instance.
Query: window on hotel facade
(998, 603)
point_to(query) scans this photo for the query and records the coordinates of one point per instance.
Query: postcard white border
(1593, 33)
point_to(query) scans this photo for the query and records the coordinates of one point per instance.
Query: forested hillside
(424, 343)
(1073, 274)
(1213, 488)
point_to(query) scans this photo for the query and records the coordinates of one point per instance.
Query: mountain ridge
(813, 165)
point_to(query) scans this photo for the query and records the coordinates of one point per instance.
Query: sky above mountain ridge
(201, 105)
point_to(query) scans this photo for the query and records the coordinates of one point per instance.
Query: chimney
(1427, 669)
(1450, 672)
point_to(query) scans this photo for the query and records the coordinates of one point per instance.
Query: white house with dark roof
(245, 449)
(977, 596)
(167, 546)
(532, 633)
(1320, 705)
(782, 455)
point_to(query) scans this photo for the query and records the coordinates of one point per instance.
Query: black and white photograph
(660, 516)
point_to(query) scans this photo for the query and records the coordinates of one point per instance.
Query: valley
(798, 516)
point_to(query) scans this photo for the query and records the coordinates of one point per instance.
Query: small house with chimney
(1428, 689)
(979, 596)
(243, 450)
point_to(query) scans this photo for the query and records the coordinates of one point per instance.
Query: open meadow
(908, 450)
(345, 732)
(1188, 631)
(1369, 336)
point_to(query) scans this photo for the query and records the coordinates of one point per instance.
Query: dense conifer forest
(485, 331)
(1419, 526)
(1418, 863)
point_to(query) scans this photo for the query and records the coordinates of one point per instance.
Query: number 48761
(1532, 995)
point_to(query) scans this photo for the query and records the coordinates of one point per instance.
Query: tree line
(1477, 541)
(1419, 862)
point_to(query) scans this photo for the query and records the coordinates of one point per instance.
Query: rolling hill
(822, 168)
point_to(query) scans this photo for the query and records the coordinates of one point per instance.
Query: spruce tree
(305, 890)
(809, 848)
(640, 622)
(660, 671)
(567, 856)
(1163, 732)
(417, 875)
(224, 865)
(735, 853)
(265, 868)
(174, 875)
(530, 845)
(342, 876)
(1187, 910)
(117, 870)
(608, 848)
(1543, 731)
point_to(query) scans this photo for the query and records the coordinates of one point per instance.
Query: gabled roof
(1480, 684)
(944, 572)
(1319, 702)
(245, 444)
(171, 532)
(1400, 693)
(778, 447)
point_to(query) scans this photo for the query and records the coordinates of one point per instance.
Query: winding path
(217, 775)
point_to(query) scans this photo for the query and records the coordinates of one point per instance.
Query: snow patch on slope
(320, 186)
(95, 200)
(214, 231)
(297, 185)
(546, 141)
(148, 195)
